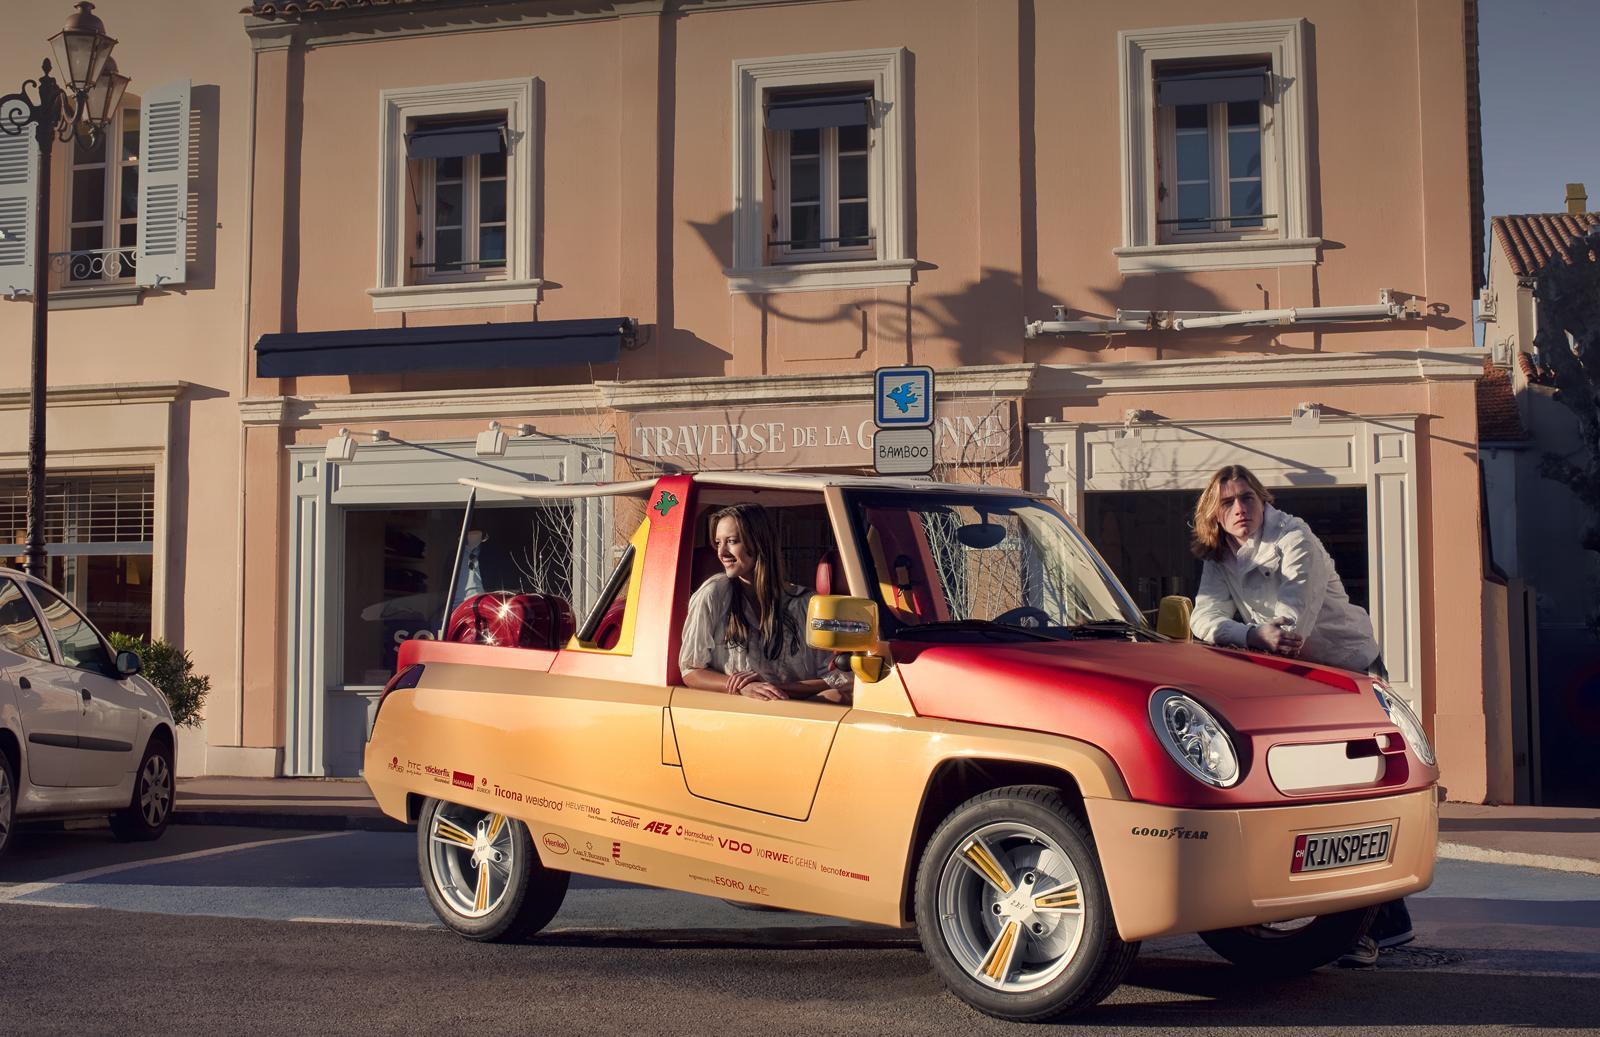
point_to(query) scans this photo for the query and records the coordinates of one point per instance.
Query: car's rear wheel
(8, 799)
(482, 874)
(1293, 947)
(150, 809)
(1012, 907)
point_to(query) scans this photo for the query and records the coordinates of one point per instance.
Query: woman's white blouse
(705, 645)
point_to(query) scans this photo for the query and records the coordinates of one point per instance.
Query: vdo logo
(734, 845)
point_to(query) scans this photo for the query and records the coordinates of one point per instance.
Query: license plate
(1320, 851)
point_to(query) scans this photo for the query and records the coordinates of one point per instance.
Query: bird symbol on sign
(903, 396)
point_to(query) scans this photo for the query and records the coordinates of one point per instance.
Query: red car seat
(830, 574)
(512, 620)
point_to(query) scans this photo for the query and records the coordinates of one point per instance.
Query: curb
(1549, 862)
(268, 819)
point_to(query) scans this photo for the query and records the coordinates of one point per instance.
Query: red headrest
(512, 621)
(830, 574)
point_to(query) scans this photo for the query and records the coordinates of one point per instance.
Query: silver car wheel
(1010, 906)
(6, 805)
(155, 790)
(471, 857)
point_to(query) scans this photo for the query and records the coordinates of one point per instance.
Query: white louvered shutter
(164, 185)
(19, 176)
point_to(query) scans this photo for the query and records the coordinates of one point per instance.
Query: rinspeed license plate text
(1318, 851)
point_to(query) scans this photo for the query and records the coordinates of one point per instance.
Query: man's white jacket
(1284, 571)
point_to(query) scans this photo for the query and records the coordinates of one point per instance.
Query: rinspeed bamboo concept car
(1026, 772)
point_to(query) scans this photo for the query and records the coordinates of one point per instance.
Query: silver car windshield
(947, 559)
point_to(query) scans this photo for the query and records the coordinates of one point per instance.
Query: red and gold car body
(619, 771)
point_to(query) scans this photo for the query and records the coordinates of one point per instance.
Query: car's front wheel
(482, 874)
(1293, 947)
(1012, 907)
(8, 800)
(147, 815)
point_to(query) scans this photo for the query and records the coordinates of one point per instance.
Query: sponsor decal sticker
(659, 828)
(667, 502)
(555, 843)
(588, 854)
(394, 764)
(625, 820)
(734, 845)
(616, 858)
(462, 780)
(1178, 832)
(582, 808)
(440, 774)
(694, 836)
(845, 874)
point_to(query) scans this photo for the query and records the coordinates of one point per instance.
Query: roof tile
(1533, 241)
(1499, 421)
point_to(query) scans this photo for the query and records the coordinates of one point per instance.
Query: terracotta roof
(1531, 242)
(1498, 418)
(293, 9)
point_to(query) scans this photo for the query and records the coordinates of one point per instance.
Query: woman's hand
(738, 680)
(760, 689)
(1277, 637)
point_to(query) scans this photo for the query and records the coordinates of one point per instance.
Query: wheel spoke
(975, 854)
(481, 899)
(496, 823)
(996, 964)
(447, 831)
(1062, 898)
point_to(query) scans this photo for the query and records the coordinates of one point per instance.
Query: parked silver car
(81, 733)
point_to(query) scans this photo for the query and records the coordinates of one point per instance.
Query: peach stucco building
(1135, 241)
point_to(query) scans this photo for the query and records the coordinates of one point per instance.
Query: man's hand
(1277, 637)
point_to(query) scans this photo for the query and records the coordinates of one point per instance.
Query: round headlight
(1401, 716)
(1193, 737)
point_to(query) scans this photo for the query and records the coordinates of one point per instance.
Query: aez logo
(734, 845)
(659, 827)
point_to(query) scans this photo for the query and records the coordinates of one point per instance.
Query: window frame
(111, 219)
(471, 201)
(753, 270)
(828, 156)
(397, 110)
(1281, 45)
(1221, 178)
(109, 669)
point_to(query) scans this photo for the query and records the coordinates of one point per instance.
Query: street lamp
(92, 93)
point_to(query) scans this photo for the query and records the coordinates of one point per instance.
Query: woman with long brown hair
(745, 632)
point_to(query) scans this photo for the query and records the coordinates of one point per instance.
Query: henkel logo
(555, 844)
(463, 780)
(659, 828)
(733, 845)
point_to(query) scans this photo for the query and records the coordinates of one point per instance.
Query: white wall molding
(16, 398)
(752, 78)
(1258, 372)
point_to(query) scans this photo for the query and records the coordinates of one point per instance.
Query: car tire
(1018, 861)
(483, 875)
(1290, 948)
(150, 810)
(8, 801)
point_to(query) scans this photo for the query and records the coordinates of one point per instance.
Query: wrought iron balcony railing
(88, 266)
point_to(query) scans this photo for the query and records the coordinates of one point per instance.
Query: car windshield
(982, 564)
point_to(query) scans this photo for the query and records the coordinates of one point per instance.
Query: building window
(103, 204)
(1211, 184)
(819, 173)
(821, 202)
(1214, 148)
(456, 197)
(460, 206)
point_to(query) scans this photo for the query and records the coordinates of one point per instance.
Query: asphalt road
(220, 930)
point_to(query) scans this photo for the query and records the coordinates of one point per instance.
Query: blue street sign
(904, 397)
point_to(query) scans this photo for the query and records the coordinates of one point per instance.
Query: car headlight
(1193, 737)
(1401, 716)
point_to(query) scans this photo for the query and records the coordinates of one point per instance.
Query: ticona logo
(555, 843)
(462, 780)
(734, 845)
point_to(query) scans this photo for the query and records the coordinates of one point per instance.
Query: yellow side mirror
(836, 623)
(1173, 618)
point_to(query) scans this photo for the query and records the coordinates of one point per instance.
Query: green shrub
(169, 668)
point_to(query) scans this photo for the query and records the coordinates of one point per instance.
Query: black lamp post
(92, 94)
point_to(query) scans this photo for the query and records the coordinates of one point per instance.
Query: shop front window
(397, 566)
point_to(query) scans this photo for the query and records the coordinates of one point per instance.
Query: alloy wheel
(155, 790)
(5, 805)
(1010, 906)
(471, 859)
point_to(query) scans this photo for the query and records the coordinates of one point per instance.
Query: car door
(51, 706)
(765, 756)
(109, 708)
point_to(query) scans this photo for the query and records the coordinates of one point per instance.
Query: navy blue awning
(1212, 86)
(818, 111)
(456, 140)
(457, 347)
